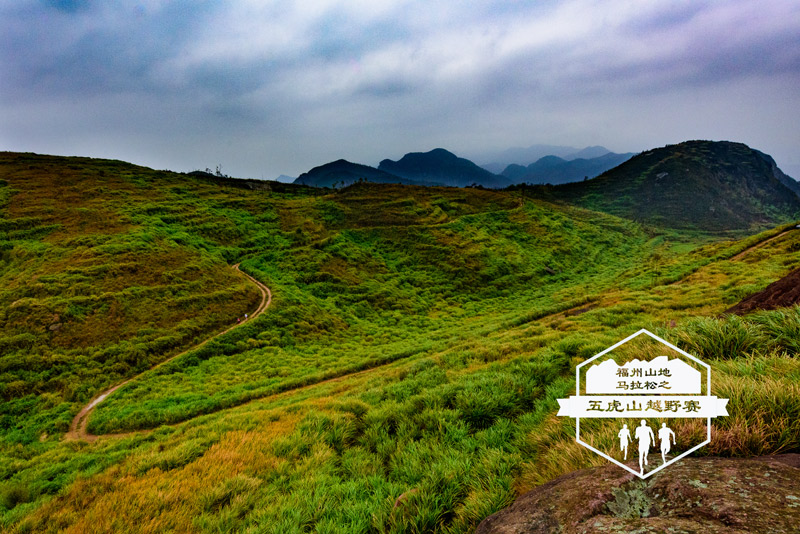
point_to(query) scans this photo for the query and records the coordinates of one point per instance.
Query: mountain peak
(443, 167)
(343, 172)
(731, 187)
(442, 153)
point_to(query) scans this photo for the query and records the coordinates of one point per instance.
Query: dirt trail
(78, 428)
(761, 244)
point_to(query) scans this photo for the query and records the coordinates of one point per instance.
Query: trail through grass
(403, 380)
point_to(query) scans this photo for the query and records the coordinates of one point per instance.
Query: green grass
(468, 310)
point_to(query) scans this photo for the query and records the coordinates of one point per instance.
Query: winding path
(762, 243)
(78, 427)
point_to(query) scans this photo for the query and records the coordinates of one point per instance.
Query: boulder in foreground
(695, 495)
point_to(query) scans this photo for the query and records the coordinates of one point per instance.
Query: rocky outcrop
(695, 495)
(783, 293)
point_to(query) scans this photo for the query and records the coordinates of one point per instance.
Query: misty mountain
(707, 185)
(442, 167)
(525, 156)
(555, 170)
(590, 152)
(342, 173)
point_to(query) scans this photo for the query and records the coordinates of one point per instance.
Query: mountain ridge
(443, 167)
(556, 170)
(731, 186)
(343, 173)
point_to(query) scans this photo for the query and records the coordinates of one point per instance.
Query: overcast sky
(265, 88)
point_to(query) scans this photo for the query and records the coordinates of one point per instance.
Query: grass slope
(467, 310)
(701, 185)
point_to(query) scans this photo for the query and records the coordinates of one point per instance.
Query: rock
(783, 293)
(55, 326)
(695, 495)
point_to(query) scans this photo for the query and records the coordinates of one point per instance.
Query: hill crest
(440, 166)
(341, 173)
(729, 186)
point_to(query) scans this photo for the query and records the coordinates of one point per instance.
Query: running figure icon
(646, 438)
(624, 437)
(664, 434)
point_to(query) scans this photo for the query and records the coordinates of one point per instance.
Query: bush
(16, 493)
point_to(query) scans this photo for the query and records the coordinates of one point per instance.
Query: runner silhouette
(663, 434)
(624, 437)
(645, 436)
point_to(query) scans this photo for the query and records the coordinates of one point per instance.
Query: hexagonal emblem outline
(720, 410)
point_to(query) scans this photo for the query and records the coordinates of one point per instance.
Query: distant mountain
(525, 156)
(555, 170)
(494, 168)
(590, 152)
(343, 173)
(497, 161)
(285, 179)
(705, 185)
(442, 167)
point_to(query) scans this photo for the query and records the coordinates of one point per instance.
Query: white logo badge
(660, 387)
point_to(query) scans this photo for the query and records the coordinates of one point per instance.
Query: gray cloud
(277, 87)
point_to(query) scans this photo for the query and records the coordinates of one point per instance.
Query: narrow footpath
(78, 428)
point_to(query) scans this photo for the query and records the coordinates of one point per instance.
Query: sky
(265, 88)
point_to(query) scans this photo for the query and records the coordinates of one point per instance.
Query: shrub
(14, 494)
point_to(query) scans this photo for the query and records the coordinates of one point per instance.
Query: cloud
(369, 78)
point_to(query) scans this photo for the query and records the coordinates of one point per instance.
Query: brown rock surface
(695, 495)
(780, 294)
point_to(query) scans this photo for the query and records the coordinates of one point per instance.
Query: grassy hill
(403, 379)
(702, 185)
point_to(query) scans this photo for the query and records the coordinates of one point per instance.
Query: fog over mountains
(496, 162)
(555, 170)
(440, 167)
(712, 185)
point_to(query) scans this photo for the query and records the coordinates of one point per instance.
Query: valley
(403, 374)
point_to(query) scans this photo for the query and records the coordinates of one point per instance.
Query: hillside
(555, 170)
(442, 167)
(788, 181)
(403, 378)
(704, 185)
(341, 173)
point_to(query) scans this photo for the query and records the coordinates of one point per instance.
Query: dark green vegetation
(466, 310)
(701, 185)
(101, 280)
